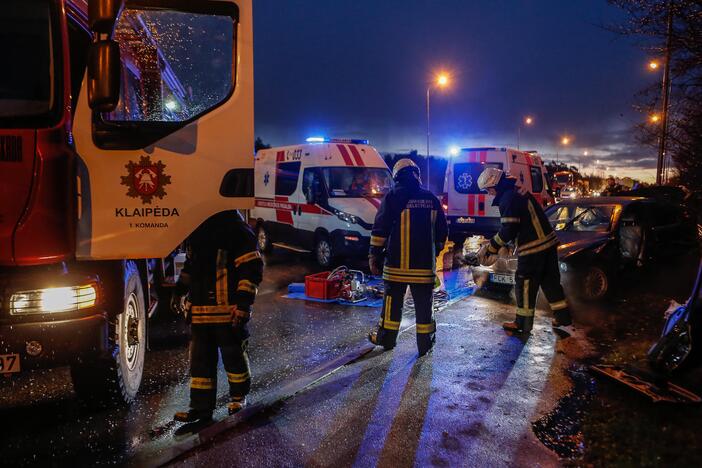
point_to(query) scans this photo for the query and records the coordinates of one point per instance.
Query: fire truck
(123, 126)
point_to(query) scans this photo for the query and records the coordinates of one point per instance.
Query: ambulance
(468, 209)
(319, 197)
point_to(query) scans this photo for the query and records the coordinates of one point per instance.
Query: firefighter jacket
(409, 232)
(223, 269)
(523, 221)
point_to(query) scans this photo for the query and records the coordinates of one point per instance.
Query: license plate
(502, 279)
(9, 363)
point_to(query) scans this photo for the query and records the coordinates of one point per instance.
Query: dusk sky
(360, 68)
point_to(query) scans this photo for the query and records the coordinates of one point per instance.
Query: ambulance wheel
(264, 241)
(116, 380)
(595, 284)
(323, 251)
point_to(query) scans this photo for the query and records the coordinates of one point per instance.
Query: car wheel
(323, 251)
(264, 241)
(116, 380)
(595, 284)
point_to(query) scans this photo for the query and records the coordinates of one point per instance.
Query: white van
(468, 209)
(319, 197)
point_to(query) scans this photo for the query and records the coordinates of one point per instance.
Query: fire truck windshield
(27, 82)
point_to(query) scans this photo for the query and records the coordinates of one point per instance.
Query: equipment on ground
(340, 283)
(676, 351)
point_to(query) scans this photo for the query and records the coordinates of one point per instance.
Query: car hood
(575, 242)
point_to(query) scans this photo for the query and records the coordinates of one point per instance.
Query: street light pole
(666, 96)
(428, 90)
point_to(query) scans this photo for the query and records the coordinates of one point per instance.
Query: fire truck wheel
(263, 239)
(116, 380)
(323, 251)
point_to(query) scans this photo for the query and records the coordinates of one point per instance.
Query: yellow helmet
(489, 178)
(402, 164)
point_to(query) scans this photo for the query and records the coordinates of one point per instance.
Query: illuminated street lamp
(654, 118)
(454, 150)
(528, 120)
(440, 81)
(653, 65)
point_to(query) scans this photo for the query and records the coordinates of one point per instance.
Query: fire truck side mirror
(102, 15)
(103, 76)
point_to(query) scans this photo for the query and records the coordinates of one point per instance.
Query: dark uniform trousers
(391, 314)
(208, 340)
(539, 270)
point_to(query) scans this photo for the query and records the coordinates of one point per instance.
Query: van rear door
(465, 199)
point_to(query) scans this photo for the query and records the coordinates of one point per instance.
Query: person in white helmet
(409, 231)
(524, 222)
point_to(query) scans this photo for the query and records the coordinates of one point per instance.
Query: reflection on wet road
(289, 338)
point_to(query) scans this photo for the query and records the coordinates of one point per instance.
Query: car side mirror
(103, 76)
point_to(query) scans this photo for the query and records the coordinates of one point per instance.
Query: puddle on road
(561, 429)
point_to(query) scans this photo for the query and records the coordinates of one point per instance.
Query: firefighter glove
(239, 318)
(374, 264)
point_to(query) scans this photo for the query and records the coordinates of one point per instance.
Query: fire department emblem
(146, 179)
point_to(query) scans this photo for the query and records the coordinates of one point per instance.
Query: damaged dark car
(603, 239)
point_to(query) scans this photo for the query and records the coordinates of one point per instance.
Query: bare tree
(648, 21)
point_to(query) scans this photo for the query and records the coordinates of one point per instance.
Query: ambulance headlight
(63, 299)
(347, 218)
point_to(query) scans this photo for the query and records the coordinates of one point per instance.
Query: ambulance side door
(287, 199)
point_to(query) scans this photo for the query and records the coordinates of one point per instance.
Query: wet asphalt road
(50, 426)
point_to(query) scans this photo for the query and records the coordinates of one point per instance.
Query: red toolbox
(319, 287)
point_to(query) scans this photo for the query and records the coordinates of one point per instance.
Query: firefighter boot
(236, 404)
(425, 343)
(192, 415)
(376, 337)
(521, 325)
(562, 318)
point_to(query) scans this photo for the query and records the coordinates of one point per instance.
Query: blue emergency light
(336, 140)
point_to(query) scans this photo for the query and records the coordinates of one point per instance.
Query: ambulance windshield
(357, 182)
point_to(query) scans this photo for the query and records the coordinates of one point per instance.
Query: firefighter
(408, 233)
(523, 221)
(221, 274)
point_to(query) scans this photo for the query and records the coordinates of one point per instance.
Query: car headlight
(348, 218)
(63, 299)
(563, 266)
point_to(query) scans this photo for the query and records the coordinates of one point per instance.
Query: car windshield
(563, 178)
(581, 218)
(26, 86)
(357, 182)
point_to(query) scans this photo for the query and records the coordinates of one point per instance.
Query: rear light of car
(444, 202)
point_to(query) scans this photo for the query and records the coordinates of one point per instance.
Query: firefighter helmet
(402, 165)
(489, 178)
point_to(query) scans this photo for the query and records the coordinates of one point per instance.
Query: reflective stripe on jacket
(524, 222)
(409, 231)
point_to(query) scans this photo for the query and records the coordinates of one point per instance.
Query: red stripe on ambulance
(283, 215)
(345, 154)
(356, 155)
(280, 156)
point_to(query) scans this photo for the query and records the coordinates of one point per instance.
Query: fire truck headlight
(63, 299)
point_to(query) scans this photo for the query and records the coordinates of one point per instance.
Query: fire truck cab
(123, 127)
(319, 197)
(470, 210)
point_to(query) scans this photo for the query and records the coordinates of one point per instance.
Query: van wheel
(116, 380)
(595, 284)
(264, 241)
(323, 251)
